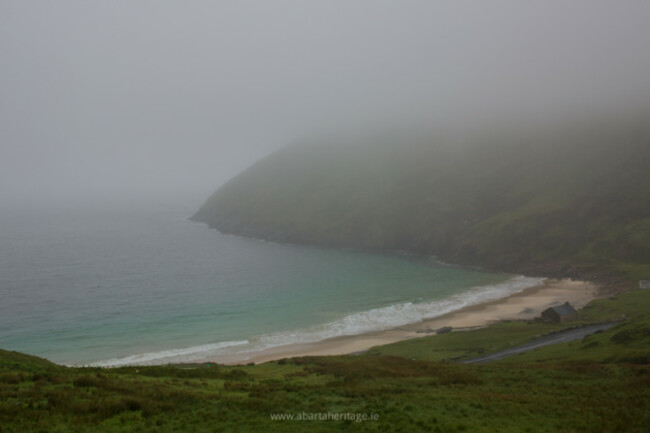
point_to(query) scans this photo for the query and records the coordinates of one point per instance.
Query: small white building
(644, 284)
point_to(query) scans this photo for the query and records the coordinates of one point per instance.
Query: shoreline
(523, 305)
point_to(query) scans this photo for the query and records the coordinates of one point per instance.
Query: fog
(160, 100)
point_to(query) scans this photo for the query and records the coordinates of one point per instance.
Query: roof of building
(563, 309)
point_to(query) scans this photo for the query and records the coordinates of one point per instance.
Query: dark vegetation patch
(372, 367)
(633, 335)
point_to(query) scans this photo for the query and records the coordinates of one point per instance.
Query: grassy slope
(601, 384)
(565, 202)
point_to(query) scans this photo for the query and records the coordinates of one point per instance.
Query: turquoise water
(146, 285)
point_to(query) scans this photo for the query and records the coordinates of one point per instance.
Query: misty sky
(105, 99)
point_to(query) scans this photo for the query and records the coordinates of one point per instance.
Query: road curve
(558, 337)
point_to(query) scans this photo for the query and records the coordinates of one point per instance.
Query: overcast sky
(132, 98)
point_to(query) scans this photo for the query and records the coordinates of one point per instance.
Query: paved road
(559, 337)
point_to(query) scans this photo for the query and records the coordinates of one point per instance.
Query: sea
(142, 284)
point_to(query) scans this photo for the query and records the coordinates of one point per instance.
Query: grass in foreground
(554, 389)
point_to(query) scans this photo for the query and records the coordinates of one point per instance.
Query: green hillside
(564, 200)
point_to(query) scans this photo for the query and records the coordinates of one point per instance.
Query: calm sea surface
(146, 285)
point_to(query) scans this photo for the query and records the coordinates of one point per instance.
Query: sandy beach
(526, 304)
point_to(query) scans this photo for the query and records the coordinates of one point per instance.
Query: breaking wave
(376, 319)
